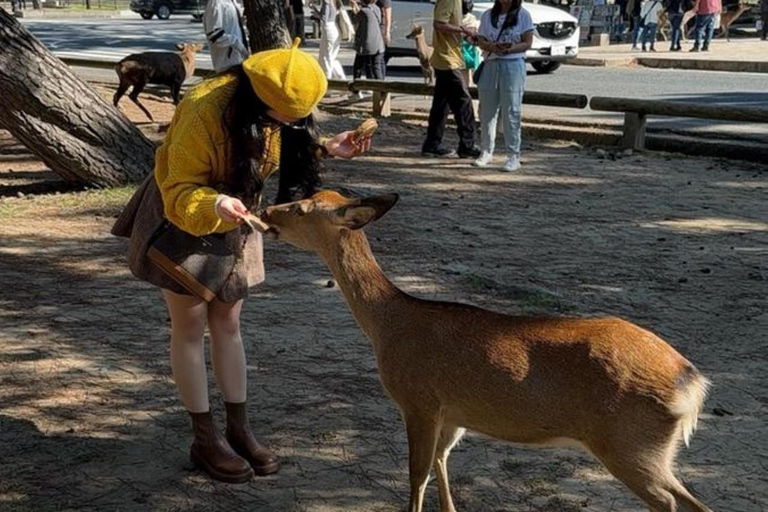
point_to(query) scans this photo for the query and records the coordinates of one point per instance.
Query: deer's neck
(189, 63)
(421, 45)
(372, 298)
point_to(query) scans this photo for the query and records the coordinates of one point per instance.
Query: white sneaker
(484, 159)
(356, 95)
(512, 164)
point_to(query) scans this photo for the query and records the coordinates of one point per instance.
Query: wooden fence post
(634, 130)
(382, 104)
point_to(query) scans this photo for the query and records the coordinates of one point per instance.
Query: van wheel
(545, 66)
(147, 15)
(163, 12)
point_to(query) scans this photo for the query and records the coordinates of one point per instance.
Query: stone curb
(737, 66)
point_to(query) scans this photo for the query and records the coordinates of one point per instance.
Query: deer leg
(175, 90)
(449, 437)
(135, 98)
(423, 432)
(120, 92)
(643, 462)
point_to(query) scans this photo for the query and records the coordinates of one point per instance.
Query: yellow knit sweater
(193, 161)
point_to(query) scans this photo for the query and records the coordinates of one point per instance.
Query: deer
(164, 68)
(729, 18)
(424, 51)
(604, 384)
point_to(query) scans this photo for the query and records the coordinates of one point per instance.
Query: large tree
(266, 22)
(79, 135)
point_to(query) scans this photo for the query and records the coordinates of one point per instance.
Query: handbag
(201, 264)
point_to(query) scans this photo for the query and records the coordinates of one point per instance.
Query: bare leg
(227, 352)
(449, 437)
(188, 316)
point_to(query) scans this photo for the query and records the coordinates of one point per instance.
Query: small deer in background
(729, 18)
(424, 51)
(604, 384)
(163, 68)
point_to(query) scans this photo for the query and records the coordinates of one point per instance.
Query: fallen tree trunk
(60, 119)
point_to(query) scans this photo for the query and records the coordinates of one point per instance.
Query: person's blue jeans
(637, 31)
(705, 28)
(501, 90)
(649, 34)
(675, 20)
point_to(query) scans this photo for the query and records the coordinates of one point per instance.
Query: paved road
(113, 39)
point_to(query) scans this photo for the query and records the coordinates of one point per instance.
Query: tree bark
(267, 28)
(79, 135)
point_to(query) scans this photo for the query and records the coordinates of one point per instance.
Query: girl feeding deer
(188, 233)
(505, 33)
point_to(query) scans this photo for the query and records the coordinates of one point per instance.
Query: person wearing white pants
(330, 40)
(505, 33)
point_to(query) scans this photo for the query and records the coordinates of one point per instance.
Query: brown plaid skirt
(142, 218)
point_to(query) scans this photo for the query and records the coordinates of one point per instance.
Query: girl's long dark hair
(244, 117)
(511, 19)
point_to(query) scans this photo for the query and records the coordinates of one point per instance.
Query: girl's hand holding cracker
(352, 143)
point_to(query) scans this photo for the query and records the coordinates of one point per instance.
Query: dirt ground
(89, 416)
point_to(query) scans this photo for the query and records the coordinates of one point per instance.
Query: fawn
(424, 51)
(606, 384)
(164, 68)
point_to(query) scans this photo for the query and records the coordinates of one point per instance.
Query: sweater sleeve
(188, 199)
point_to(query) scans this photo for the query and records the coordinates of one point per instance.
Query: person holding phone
(505, 34)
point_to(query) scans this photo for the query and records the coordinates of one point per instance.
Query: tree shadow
(85, 344)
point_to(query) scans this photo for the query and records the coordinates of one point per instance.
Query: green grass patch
(105, 202)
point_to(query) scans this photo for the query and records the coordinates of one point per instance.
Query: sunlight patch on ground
(707, 224)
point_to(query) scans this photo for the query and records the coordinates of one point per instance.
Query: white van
(555, 39)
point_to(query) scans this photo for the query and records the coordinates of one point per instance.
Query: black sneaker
(694, 49)
(705, 48)
(438, 152)
(469, 152)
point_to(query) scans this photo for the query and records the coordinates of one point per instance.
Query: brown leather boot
(239, 435)
(212, 453)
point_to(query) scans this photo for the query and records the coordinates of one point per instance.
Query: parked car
(164, 8)
(555, 39)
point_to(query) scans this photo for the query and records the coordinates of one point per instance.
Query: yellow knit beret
(289, 81)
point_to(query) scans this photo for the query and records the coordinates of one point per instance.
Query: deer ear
(366, 210)
(301, 208)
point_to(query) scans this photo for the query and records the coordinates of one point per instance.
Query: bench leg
(634, 131)
(382, 104)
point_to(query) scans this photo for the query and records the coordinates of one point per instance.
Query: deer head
(189, 48)
(314, 223)
(416, 31)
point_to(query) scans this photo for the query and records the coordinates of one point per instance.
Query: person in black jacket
(764, 17)
(675, 11)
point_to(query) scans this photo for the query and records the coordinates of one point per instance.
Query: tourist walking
(706, 12)
(330, 40)
(223, 26)
(505, 34)
(451, 91)
(223, 144)
(675, 11)
(649, 18)
(369, 42)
